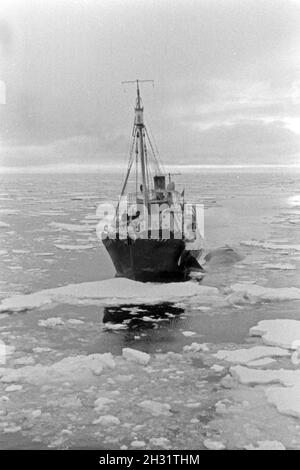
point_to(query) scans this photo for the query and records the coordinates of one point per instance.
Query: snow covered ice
(115, 363)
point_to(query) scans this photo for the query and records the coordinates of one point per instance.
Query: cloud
(6, 37)
(226, 79)
(80, 149)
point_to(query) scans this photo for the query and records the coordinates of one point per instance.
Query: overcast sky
(226, 72)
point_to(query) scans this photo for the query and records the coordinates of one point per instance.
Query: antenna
(137, 81)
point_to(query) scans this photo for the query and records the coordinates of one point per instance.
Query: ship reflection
(142, 316)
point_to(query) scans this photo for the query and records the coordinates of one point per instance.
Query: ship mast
(139, 133)
(139, 123)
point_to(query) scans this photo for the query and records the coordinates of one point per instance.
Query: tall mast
(139, 134)
(139, 122)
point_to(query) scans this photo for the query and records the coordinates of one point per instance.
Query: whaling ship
(154, 234)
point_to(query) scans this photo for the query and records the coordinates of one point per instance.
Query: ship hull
(147, 260)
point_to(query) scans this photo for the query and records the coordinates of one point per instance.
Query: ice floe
(283, 333)
(9, 211)
(4, 225)
(294, 200)
(244, 356)
(271, 246)
(138, 444)
(286, 400)
(245, 292)
(280, 386)
(213, 445)
(247, 376)
(13, 388)
(217, 368)
(51, 322)
(74, 247)
(136, 356)
(75, 321)
(102, 402)
(266, 445)
(160, 442)
(73, 369)
(72, 227)
(156, 408)
(115, 291)
(280, 267)
(188, 333)
(266, 361)
(115, 326)
(196, 347)
(107, 420)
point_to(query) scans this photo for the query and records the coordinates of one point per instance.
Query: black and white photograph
(149, 228)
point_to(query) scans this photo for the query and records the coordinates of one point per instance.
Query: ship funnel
(159, 183)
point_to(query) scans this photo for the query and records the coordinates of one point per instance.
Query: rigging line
(136, 168)
(150, 173)
(146, 160)
(129, 166)
(154, 155)
(125, 184)
(125, 179)
(156, 148)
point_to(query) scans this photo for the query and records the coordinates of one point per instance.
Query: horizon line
(86, 168)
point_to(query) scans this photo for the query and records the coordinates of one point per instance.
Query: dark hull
(147, 260)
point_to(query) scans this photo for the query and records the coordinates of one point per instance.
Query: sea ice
(71, 369)
(73, 247)
(72, 227)
(243, 356)
(75, 321)
(8, 211)
(4, 225)
(217, 368)
(283, 267)
(136, 356)
(119, 291)
(247, 376)
(213, 445)
(13, 388)
(286, 400)
(188, 333)
(115, 326)
(266, 445)
(282, 332)
(156, 408)
(138, 444)
(12, 429)
(24, 361)
(20, 303)
(160, 442)
(107, 420)
(102, 402)
(261, 362)
(51, 322)
(270, 246)
(196, 347)
(254, 293)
